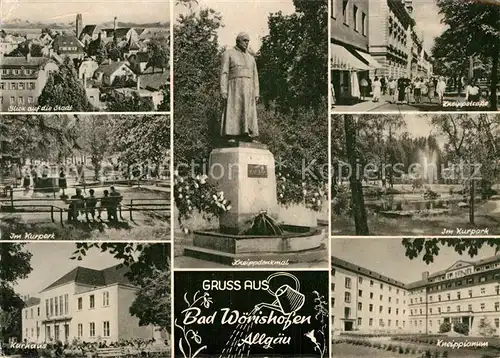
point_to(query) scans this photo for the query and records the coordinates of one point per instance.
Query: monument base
(245, 173)
(297, 244)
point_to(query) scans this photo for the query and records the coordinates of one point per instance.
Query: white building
(85, 304)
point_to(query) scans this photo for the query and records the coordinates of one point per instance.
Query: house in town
(106, 73)
(22, 79)
(349, 41)
(68, 46)
(468, 292)
(86, 304)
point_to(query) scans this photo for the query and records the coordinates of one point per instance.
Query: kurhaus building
(467, 292)
(85, 304)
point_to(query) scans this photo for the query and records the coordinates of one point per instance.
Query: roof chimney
(115, 23)
(28, 57)
(425, 275)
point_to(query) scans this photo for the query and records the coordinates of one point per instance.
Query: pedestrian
(26, 180)
(364, 88)
(472, 92)
(423, 88)
(62, 181)
(401, 90)
(376, 88)
(392, 86)
(440, 89)
(417, 90)
(383, 83)
(408, 90)
(34, 176)
(90, 205)
(431, 89)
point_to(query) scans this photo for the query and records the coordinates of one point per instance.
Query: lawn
(343, 350)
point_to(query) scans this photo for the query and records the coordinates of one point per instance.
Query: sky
(387, 257)
(93, 11)
(428, 21)
(51, 261)
(243, 16)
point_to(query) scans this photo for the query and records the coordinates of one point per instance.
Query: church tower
(79, 25)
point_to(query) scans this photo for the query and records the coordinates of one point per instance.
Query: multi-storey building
(85, 304)
(364, 300)
(22, 79)
(467, 292)
(394, 41)
(349, 42)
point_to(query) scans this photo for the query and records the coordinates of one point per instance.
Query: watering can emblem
(288, 300)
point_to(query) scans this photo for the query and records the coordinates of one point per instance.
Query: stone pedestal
(245, 173)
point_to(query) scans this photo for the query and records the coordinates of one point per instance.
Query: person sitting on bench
(90, 204)
(105, 203)
(76, 204)
(115, 200)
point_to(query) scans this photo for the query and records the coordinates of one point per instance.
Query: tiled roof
(68, 40)
(120, 32)
(8, 61)
(110, 68)
(88, 30)
(91, 277)
(32, 301)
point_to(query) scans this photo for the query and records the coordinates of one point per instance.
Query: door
(66, 332)
(348, 325)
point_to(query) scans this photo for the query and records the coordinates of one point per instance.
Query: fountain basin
(297, 244)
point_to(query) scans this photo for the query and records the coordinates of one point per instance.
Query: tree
(292, 61)
(64, 89)
(113, 51)
(16, 264)
(197, 66)
(159, 55)
(95, 133)
(149, 269)
(132, 103)
(36, 50)
(22, 50)
(358, 203)
(474, 28)
(445, 327)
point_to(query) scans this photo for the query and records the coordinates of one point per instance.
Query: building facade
(87, 305)
(22, 80)
(467, 293)
(363, 300)
(349, 42)
(394, 41)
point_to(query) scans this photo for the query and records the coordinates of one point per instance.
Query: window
(458, 308)
(80, 303)
(32, 85)
(360, 280)
(363, 26)
(333, 272)
(49, 335)
(26, 314)
(389, 299)
(92, 329)
(2, 85)
(439, 309)
(31, 313)
(371, 283)
(333, 287)
(360, 306)
(411, 300)
(380, 309)
(371, 295)
(106, 328)
(482, 279)
(333, 301)
(345, 11)
(448, 296)
(334, 8)
(497, 290)
(360, 293)
(483, 291)
(397, 310)
(370, 307)
(448, 309)
(497, 322)
(347, 312)
(56, 306)
(390, 309)
(370, 322)
(497, 305)
(420, 311)
(430, 310)
(439, 298)
(66, 296)
(46, 307)
(381, 297)
(347, 297)
(458, 295)
(482, 306)
(80, 330)
(105, 298)
(21, 86)
(381, 286)
(56, 332)
(388, 323)
(13, 86)
(13, 100)
(381, 322)
(38, 311)
(355, 17)
(51, 306)
(347, 282)
(359, 321)
(470, 293)
(92, 301)
(469, 307)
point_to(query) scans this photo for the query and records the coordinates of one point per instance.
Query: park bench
(111, 352)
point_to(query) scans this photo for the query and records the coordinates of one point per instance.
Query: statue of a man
(239, 82)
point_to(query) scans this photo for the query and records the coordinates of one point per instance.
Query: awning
(344, 60)
(371, 61)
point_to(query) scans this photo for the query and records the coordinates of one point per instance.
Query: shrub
(461, 328)
(444, 354)
(445, 327)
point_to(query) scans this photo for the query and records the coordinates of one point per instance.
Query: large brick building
(466, 292)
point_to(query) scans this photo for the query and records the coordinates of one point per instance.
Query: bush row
(395, 348)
